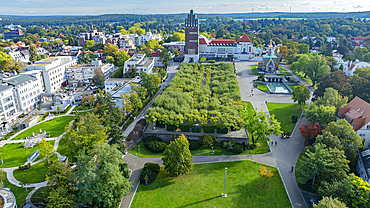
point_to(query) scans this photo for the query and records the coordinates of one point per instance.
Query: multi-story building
(53, 71)
(191, 51)
(8, 110)
(91, 35)
(175, 46)
(84, 74)
(26, 91)
(16, 33)
(357, 113)
(142, 39)
(140, 62)
(363, 165)
(121, 41)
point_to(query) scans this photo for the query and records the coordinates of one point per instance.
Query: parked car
(314, 201)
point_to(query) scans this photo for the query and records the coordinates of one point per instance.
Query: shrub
(211, 61)
(194, 128)
(294, 118)
(124, 169)
(228, 145)
(136, 113)
(185, 128)
(155, 144)
(237, 149)
(222, 131)
(252, 146)
(25, 167)
(150, 170)
(194, 144)
(207, 140)
(171, 128)
(208, 129)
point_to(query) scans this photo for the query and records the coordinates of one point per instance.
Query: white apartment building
(140, 62)
(53, 71)
(363, 165)
(142, 39)
(26, 91)
(84, 74)
(8, 109)
(349, 67)
(123, 42)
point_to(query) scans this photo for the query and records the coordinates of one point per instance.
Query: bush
(155, 144)
(252, 146)
(185, 128)
(208, 141)
(208, 129)
(136, 113)
(194, 129)
(211, 61)
(294, 118)
(194, 144)
(237, 149)
(25, 167)
(228, 145)
(222, 131)
(150, 170)
(171, 128)
(124, 169)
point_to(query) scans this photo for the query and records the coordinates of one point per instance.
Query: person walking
(292, 169)
(275, 143)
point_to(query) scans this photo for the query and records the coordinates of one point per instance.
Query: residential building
(84, 74)
(140, 62)
(20, 56)
(91, 35)
(363, 165)
(13, 33)
(114, 84)
(349, 67)
(357, 113)
(156, 57)
(142, 39)
(53, 71)
(121, 41)
(8, 110)
(26, 91)
(175, 46)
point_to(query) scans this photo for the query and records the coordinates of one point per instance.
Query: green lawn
(249, 105)
(293, 86)
(254, 69)
(283, 113)
(261, 148)
(20, 194)
(301, 75)
(80, 108)
(54, 127)
(262, 87)
(15, 154)
(62, 148)
(35, 174)
(204, 185)
(285, 72)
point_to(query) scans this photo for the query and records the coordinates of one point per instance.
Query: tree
(34, 55)
(4, 58)
(301, 94)
(329, 202)
(58, 109)
(110, 50)
(60, 198)
(99, 78)
(336, 80)
(310, 132)
(89, 45)
(87, 132)
(258, 125)
(331, 97)
(362, 192)
(103, 183)
(265, 173)
(46, 149)
(321, 114)
(327, 163)
(329, 140)
(2, 178)
(177, 158)
(121, 58)
(165, 57)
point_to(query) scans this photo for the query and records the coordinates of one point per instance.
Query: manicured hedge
(155, 144)
(208, 129)
(150, 170)
(185, 127)
(237, 148)
(222, 131)
(195, 129)
(159, 125)
(194, 144)
(171, 128)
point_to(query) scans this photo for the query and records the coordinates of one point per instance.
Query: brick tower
(191, 38)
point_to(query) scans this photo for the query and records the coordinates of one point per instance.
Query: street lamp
(224, 194)
(139, 149)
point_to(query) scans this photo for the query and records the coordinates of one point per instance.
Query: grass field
(254, 69)
(35, 174)
(62, 148)
(19, 193)
(249, 105)
(262, 87)
(283, 113)
(15, 155)
(293, 86)
(204, 185)
(54, 127)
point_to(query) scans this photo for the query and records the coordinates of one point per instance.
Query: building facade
(140, 62)
(8, 109)
(91, 35)
(13, 33)
(144, 38)
(53, 71)
(191, 50)
(363, 165)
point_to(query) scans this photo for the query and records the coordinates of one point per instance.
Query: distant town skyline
(95, 7)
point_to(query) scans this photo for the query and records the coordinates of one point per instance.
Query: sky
(96, 7)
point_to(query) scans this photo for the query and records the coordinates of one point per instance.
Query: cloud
(305, 3)
(359, 6)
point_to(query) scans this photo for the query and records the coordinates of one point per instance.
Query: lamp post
(139, 149)
(224, 194)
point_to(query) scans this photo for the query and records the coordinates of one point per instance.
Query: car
(314, 201)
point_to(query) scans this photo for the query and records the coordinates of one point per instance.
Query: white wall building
(27, 89)
(8, 110)
(140, 62)
(363, 165)
(84, 74)
(53, 71)
(142, 39)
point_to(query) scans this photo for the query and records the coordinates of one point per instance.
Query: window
(193, 41)
(193, 33)
(362, 136)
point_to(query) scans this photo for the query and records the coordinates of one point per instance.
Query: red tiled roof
(243, 38)
(358, 110)
(156, 54)
(222, 44)
(202, 41)
(222, 41)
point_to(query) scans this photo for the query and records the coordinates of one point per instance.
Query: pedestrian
(275, 143)
(291, 169)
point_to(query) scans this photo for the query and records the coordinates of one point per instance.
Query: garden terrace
(206, 94)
